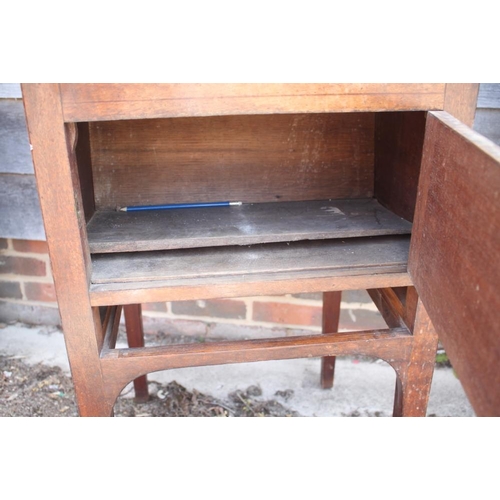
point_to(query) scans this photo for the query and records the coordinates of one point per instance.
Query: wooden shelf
(129, 276)
(249, 224)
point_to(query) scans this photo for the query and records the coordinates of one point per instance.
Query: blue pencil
(180, 205)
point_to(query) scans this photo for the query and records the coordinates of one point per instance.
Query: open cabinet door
(455, 253)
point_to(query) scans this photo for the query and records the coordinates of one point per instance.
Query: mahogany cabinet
(381, 187)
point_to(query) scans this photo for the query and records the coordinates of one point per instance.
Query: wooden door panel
(455, 252)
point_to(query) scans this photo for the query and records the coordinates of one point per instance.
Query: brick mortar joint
(250, 301)
(208, 322)
(368, 306)
(287, 299)
(52, 305)
(23, 291)
(21, 278)
(249, 311)
(205, 319)
(11, 252)
(209, 328)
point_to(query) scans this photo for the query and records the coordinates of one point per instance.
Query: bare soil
(44, 391)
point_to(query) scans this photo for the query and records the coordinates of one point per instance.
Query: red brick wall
(26, 287)
(27, 294)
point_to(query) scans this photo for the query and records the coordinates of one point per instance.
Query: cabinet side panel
(83, 159)
(399, 139)
(454, 254)
(249, 158)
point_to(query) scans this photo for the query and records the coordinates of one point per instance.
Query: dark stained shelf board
(249, 224)
(278, 261)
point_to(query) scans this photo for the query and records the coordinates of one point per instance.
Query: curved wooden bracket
(121, 366)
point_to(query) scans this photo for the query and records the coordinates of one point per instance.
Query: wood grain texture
(401, 293)
(122, 365)
(158, 291)
(105, 314)
(84, 162)
(399, 139)
(273, 269)
(414, 374)
(410, 304)
(135, 338)
(242, 158)
(55, 169)
(111, 326)
(330, 324)
(89, 102)
(326, 257)
(454, 253)
(257, 158)
(460, 100)
(241, 225)
(389, 306)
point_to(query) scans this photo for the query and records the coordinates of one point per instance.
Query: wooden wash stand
(381, 187)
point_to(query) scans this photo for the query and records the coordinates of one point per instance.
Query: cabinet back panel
(249, 158)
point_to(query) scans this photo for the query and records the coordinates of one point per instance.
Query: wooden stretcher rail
(111, 326)
(389, 306)
(388, 344)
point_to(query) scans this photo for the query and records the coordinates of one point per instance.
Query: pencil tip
(122, 209)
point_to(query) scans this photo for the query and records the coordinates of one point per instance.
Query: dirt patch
(34, 391)
(44, 391)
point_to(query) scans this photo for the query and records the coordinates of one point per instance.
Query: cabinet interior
(306, 181)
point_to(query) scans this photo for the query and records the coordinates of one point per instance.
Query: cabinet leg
(105, 409)
(83, 337)
(331, 316)
(414, 376)
(135, 338)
